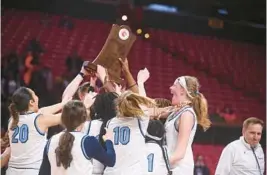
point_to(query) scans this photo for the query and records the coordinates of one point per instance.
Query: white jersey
(186, 165)
(92, 128)
(129, 145)
(155, 160)
(27, 144)
(80, 164)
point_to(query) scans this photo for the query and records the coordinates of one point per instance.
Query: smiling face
(178, 93)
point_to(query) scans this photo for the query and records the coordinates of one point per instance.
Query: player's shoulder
(96, 122)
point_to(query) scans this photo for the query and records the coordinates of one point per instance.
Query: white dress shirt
(238, 158)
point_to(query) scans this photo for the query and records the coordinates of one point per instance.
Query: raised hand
(93, 81)
(143, 75)
(118, 88)
(89, 99)
(101, 73)
(66, 100)
(124, 65)
(85, 72)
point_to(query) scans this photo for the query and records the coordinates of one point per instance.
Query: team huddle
(113, 132)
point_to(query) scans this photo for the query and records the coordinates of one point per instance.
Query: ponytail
(200, 107)
(5, 141)
(101, 133)
(14, 114)
(63, 151)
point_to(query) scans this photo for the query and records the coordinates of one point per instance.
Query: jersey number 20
(121, 135)
(20, 134)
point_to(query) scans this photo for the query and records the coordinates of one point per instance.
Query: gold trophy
(117, 45)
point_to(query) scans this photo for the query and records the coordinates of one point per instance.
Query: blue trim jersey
(186, 165)
(156, 163)
(92, 128)
(81, 164)
(27, 143)
(129, 145)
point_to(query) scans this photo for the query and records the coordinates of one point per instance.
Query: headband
(181, 80)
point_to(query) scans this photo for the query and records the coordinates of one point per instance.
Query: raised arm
(44, 121)
(158, 113)
(51, 109)
(142, 77)
(132, 85)
(74, 84)
(185, 125)
(54, 108)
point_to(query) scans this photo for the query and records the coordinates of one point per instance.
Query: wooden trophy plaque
(117, 45)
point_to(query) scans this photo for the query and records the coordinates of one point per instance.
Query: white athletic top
(92, 128)
(27, 143)
(155, 160)
(186, 165)
(81, 164)
(129, 145)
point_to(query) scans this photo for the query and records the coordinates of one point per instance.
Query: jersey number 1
(150, 159)
(22, 133)
(121, 135)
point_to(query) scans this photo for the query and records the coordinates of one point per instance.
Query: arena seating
(88, 37)
(242, 64)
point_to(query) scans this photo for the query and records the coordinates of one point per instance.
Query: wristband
(132, 86)
(82, 74)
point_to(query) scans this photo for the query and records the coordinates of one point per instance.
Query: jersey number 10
(20, 134)
(121, 135)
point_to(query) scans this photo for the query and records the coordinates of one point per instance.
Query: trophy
(117, 45)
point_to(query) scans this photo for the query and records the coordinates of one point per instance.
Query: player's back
(92, 128)
(27, 144)
(156, 164)
(80, 164)
(129, 145)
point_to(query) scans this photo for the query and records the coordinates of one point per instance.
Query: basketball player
(71, 151)
(129, 127)
(181, 125)
(27, 129)
(157, 156)
(74, 91)
(104, 110)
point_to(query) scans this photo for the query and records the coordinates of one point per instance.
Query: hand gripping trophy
(117, 45)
